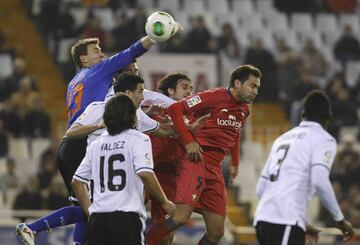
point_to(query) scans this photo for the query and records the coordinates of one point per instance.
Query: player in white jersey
(89, 126)
(120, 163)
(298, 164)
(150, 97)
(90, 122)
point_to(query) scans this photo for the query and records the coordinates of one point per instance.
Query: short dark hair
(317, 107)
(243, 72)
(170, 81)
(119, 114)
(127, 81)
(80, 48)
(123, 70)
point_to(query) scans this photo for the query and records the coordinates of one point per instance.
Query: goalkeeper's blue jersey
(92, 83)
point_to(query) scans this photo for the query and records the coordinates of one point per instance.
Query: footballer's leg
(189, 187)
(213, 202)
(214, 228)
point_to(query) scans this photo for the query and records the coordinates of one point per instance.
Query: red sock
(159, 230)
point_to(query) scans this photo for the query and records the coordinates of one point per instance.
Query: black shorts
(274, 234)
(69, 156)
(125, 228)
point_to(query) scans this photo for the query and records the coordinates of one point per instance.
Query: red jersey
(222, 129)
(166, 150)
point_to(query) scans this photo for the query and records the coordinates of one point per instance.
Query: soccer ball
(160, 26)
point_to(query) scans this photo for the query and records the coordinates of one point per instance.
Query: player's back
(288, 173)
(114, 166)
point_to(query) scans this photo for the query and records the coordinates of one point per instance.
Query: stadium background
(299, 45)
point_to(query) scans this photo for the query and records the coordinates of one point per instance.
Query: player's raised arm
(193, 149)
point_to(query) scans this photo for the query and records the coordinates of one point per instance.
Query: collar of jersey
(310, 124)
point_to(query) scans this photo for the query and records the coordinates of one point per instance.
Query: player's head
(131, 68)
(175, 85)
(317, 107)
(132, 85)
(120, 114)
(245, 83)
(87, 52)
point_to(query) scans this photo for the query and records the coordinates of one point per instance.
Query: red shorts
(167, 183)
(201, 185)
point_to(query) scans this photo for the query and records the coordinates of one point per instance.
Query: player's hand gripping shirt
(113, 163)
(287, 172)
(93, 83)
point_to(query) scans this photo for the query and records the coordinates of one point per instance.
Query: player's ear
(303, 114)
(237, 83)
(83, 59)
(171, 91)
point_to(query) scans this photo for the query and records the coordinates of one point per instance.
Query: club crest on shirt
(193, 101)
(147, 157)
(327, 157)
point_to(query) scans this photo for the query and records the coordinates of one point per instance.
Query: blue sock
(64, 216)
(79, 233)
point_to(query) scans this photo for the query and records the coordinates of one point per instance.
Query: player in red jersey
(199, 180)
(167, 151)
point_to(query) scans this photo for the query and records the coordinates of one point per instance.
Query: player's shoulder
(96, 104)
(137, 135)
(317, 134)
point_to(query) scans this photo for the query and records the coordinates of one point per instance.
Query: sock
(159, 230)
(205, 241)
(80, 232)
(64, 216)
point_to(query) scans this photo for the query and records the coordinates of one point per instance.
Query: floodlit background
(299, 45)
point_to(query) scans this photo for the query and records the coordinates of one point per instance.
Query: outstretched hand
(178, 28)
(346, 228)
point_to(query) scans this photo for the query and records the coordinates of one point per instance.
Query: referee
(120, 163)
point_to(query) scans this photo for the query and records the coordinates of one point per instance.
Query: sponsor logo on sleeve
(193, 101)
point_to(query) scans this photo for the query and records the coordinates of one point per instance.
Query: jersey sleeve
(146, 124)
(142, 154)
(199, 102)
(152, 97)
(323, 152)
(83, 172)
(235, 153)
(93, 114)
(122, 59)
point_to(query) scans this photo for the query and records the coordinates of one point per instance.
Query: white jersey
(93, 114)
(150, 97)
(288, 173)
(113, 162)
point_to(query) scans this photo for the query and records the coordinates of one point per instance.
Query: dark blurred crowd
(288, 74)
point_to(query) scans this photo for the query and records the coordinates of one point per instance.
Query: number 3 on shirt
(282, 151)
(75, 96)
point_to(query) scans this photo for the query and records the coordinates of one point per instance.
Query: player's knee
(181, 218)
(216, 233)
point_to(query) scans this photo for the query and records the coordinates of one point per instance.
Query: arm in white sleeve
(321, 182)
(152, 97)
(261, 186)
